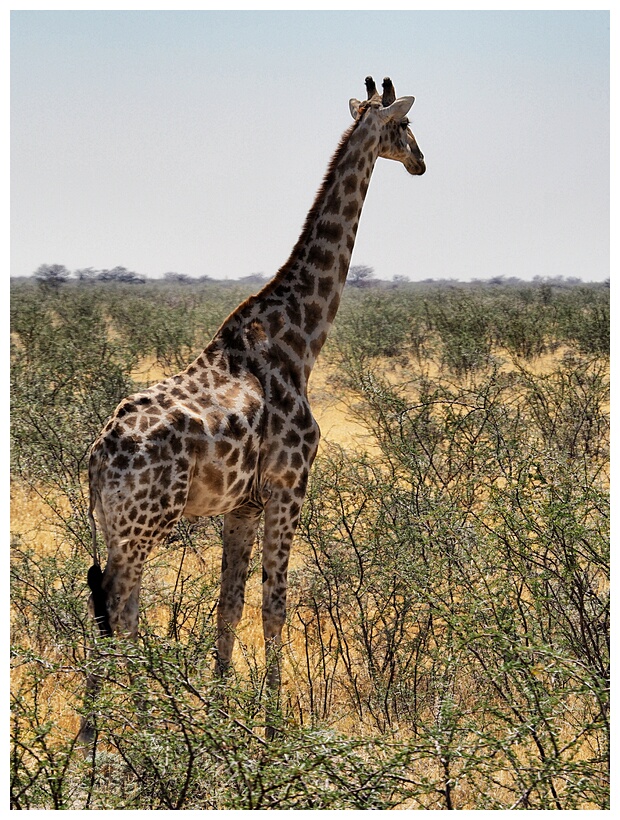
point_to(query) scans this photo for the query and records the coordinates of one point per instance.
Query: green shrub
(459, 585)
(450, 594)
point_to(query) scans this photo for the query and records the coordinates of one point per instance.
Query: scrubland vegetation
(447, 643)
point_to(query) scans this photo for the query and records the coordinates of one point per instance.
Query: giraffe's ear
(354, 107)
(398, 109)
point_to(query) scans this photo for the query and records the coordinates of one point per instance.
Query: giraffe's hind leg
(121, 585)
(114, 602)
(98, 610)
(131, 611)
(240, 527)
(86, 734)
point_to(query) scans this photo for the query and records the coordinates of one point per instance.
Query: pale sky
(195, 141)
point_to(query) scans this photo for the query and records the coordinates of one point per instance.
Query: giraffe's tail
(93, 493)
(95, 574)
(93, 532)
(99, 598)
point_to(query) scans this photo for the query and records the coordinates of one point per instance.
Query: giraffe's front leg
(239, 534)
(281, 518)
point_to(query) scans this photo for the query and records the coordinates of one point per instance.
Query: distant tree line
(360, 276)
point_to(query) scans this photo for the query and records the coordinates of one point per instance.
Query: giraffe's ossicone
(233, 434)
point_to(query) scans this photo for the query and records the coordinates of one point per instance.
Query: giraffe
(233, 435)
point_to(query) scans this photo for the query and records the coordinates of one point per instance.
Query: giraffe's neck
(294, 312)
(310, 284)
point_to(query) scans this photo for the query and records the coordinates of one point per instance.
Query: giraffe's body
(233, 434)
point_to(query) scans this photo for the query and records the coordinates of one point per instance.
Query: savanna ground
(447, 642)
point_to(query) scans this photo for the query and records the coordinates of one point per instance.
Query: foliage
(447, 644)
(464, 325)
(66, 378)
(168, 736)
(457, 587)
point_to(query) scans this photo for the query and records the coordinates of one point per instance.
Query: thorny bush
(447, 643)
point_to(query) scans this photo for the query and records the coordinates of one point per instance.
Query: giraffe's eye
(404, 124)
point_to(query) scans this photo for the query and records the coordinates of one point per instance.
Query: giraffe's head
(389, 116)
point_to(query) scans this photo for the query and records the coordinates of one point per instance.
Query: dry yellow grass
(30, 520)
(333, 415)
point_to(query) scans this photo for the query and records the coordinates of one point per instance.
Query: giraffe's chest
(229, 474)
(224, 474)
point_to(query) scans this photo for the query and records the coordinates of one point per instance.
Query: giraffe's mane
(320, 195)
(310, 218)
